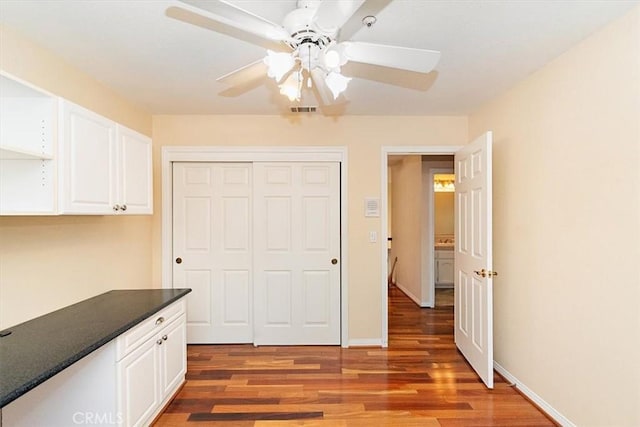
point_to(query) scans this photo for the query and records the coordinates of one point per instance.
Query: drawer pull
(164, 337)
(160, 320)
(159, 342)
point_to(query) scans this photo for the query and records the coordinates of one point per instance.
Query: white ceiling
(170, 67)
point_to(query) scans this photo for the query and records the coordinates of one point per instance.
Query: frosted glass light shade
(278, 64)
(337, 83)
(332, 59)
(291, 87)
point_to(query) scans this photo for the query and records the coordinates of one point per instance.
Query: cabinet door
(88, 162)
(174, 355)
(138, 384)
(135, 172)
(445, 271)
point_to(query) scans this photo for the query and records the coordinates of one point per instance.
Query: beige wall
(407, 224)
(443, 213)
(567, 228)
(363, 136)
(49, 262)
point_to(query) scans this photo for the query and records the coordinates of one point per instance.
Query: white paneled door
(473, 256)
(259, 244)
(297, 253)
(212, 249)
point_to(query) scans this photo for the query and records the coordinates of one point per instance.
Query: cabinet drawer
(133, 338)
(444, 254)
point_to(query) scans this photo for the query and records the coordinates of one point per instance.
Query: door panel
(473, 256)
(278, 298)
(316, 290)
(212, 211)
(296, 235)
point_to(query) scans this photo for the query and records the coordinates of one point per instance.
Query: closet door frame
(338, 154)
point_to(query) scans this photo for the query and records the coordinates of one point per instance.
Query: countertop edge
(30, 385)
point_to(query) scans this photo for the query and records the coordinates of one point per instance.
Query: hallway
(420, 380)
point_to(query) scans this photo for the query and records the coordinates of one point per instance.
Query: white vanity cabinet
(28, 132)
(106, 168)
(151, 365)
(444, 261)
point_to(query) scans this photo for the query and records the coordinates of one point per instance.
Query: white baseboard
(407, 292)
(366, 342)
(550, 410)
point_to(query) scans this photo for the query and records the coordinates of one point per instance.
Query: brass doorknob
(178, 260)
(482, 273)
(334, 261)
(485, 273)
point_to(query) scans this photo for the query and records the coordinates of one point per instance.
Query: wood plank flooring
(419, 380)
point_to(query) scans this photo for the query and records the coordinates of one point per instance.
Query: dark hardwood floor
(419, 380)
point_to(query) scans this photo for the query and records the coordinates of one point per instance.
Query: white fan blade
(239, 18)
(246, 74)
(403, 58)
(333, 14)
(202, 21)
(323, 92)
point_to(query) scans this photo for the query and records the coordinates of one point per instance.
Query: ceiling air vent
(303, 109)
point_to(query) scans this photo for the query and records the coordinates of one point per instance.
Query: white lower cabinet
(444, 268)
(152, 370)
(138, 384)
(173, 356)
(126, 382)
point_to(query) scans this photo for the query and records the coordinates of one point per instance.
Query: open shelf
(28, 132)
(14, 153)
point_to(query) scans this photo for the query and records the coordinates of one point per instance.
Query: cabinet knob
(159, 342)
(164, 337)
(116, 208)
(123, 207)
(159, 320)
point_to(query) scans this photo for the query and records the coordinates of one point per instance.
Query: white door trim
(385, 153)
(172, 154)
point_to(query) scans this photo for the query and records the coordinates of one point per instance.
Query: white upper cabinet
(135, 189)
(87, 162)
(106, 167)
(57, 157)
(27, 144)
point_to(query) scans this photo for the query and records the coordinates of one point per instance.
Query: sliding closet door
(296, 253)
(212, 252)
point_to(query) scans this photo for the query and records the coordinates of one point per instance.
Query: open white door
(473, 256)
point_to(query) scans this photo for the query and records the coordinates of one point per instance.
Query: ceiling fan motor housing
(299, 23)
(306, 39)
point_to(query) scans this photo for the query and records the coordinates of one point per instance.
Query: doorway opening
(409, 221)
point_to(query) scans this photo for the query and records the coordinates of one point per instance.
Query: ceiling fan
(308, 49)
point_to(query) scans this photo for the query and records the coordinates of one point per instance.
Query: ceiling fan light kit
(278, 64)
(312, 49)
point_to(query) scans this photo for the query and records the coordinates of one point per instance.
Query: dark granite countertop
(40, 348)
